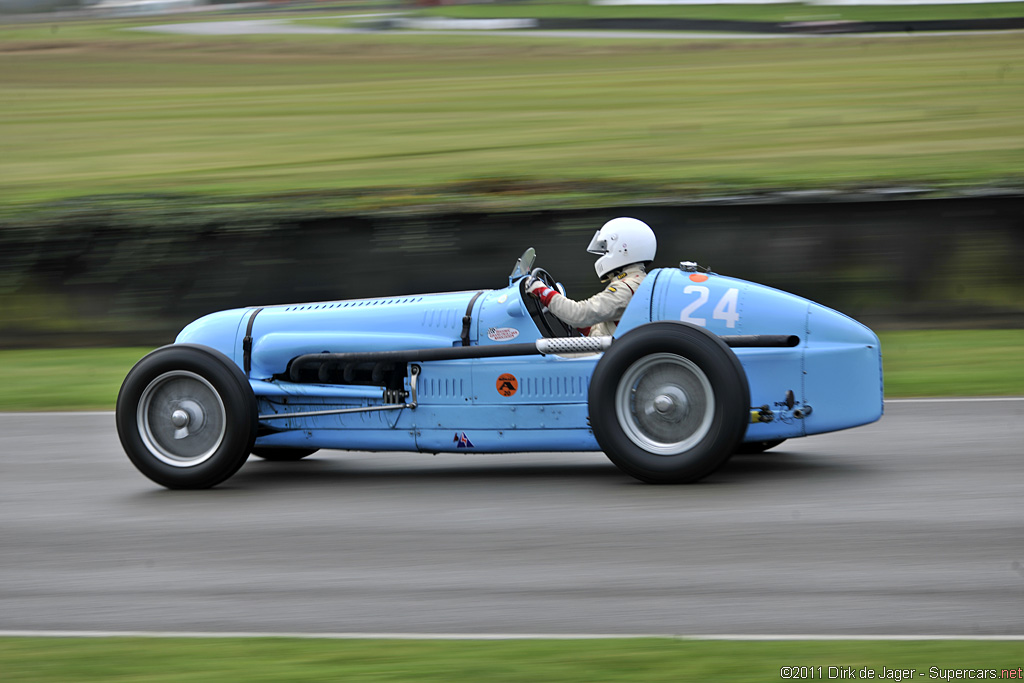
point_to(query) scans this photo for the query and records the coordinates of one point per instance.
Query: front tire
(669, 402)
(186, 416)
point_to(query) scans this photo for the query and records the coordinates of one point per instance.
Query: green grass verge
(785, 12)
(64, 379)
(917, 363)
(272, 659)
(953, 363)
(92, 110)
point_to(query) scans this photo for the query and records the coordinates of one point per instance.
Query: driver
(627, 246)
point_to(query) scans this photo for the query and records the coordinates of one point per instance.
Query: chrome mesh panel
(573, 345)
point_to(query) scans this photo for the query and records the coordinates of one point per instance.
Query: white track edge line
(495, 636)
(58, 413)
(973, 399)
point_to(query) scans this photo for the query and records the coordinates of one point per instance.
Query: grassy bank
(381, 120)
(953, 363)
(917, 363)
(64, 379)
(264, 659)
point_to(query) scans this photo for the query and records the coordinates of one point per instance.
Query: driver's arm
(606, 305)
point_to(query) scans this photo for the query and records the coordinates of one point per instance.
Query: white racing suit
(599, 315)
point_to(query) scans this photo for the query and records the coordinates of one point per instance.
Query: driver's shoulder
(629, 279)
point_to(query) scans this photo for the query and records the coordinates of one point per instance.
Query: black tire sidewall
(239, 406)
(728, 382)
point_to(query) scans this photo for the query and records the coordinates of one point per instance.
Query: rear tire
(186, 416)
(669, 402)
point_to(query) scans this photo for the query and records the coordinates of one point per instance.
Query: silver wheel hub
(671, 405)
(188, 418)
(181, 419)
(665, 404)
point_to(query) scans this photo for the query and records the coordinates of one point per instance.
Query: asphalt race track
(911, 526)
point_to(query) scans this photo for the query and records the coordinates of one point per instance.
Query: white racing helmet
(622, 241)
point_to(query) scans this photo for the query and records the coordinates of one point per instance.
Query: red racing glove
(542, 292)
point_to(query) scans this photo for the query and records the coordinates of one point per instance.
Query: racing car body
(700, 366)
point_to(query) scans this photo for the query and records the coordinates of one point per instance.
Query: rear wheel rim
(181, 419)
(665, 404)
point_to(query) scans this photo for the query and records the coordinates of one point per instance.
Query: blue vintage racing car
(700, 367)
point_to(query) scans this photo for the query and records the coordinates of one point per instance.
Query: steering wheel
(542, 275)
(547, 322)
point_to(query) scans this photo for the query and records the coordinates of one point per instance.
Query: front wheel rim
(665, 404)
(181, 419)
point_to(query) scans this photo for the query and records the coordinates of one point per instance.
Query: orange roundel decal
(507, 384)
(699, 277)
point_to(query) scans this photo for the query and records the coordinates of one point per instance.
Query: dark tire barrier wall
(796, 27)
(896, 263)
